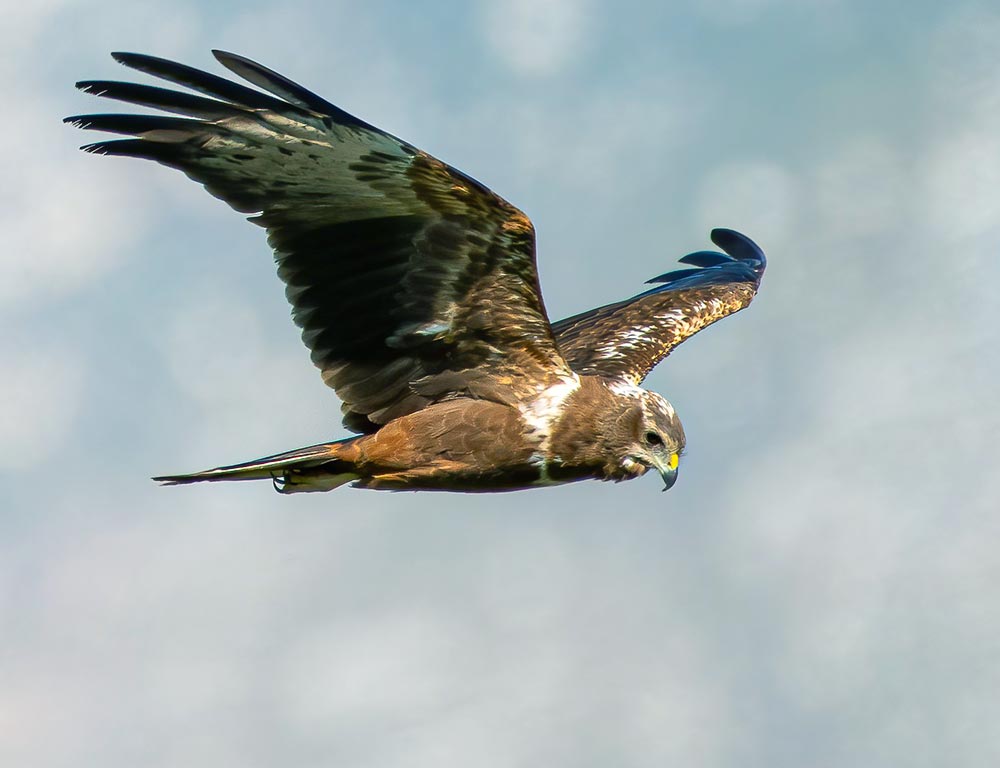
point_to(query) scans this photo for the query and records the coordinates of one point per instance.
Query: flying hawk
(416, 290)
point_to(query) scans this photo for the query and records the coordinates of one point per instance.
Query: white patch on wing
(695, 317)
(631, 338)
(540, 412)
(414, 333)
(537, 38)
(667, 329)
(625, 388)
(638, 336)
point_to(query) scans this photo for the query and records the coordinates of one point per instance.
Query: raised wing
(410, 280)
(629, 338)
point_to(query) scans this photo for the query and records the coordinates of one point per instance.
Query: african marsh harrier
(416, 290)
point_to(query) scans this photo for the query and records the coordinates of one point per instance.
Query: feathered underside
(628, 338)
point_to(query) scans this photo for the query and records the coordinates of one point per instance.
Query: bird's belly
(460, 479)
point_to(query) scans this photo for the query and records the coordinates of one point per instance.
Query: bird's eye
(652, 438)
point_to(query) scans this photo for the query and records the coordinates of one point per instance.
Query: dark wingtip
(280, 86)
(125, 57)
(705, 258)
(676, 274)
(743, 260)
(175, 479)
(221, 55)
(739, 246)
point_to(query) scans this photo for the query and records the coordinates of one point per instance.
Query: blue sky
(819, 588)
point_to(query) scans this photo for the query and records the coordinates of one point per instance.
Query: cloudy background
(820, 588)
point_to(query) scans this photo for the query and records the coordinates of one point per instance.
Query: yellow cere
(674, 460)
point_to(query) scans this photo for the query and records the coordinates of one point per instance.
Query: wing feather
(410, 280)
(628, 338)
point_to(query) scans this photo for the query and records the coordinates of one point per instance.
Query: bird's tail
(315, 468)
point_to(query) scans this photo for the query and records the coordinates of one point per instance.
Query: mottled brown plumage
(417, 293)
(636, 335)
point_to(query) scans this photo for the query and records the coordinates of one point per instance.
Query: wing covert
(628, 338)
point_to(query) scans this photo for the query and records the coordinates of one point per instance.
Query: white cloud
(142, 21)
(676, 711)
(250, 391)
(537, 37)
(754, 196)
(40, 393)
(625, 136)
(460, 736)
(213, 346)
(961, 169)
(21, 24)
(67, 218)
(962, 177)
(862, 189)
(964, 67)
(527, 585)
(396, 669)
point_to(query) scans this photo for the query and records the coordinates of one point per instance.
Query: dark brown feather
(628, 338)
(463, 444)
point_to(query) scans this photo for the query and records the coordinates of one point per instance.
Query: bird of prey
(417, 293)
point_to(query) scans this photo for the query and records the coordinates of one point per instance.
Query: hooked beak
(668, 471)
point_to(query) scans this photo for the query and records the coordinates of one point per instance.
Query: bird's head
(649, 436)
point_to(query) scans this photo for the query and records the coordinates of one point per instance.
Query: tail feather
(289, 471)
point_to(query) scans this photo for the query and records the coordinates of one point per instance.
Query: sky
(818, 589)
